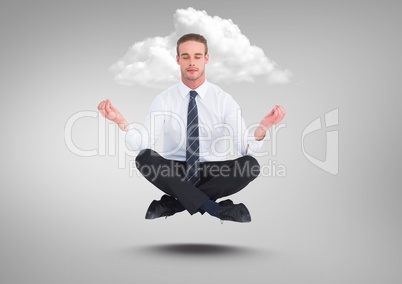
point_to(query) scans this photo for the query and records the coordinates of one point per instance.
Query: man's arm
(254, 141)
(141, 136)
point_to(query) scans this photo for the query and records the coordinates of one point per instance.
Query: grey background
(71, 219)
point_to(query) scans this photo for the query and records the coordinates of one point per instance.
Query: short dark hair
(193, 37)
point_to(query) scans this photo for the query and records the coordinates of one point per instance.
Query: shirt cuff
(252, 145)
(135, 139)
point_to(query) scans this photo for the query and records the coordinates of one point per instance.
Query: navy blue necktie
(193, 142)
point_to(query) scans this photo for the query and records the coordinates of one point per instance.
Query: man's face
(192, 60)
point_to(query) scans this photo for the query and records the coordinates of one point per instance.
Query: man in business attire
(195, 118)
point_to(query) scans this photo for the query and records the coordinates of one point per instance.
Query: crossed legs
(218, 179)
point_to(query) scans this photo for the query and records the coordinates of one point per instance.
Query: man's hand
(110, 112)
(274, 117)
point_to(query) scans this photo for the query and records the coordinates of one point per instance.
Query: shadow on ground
(198, 249)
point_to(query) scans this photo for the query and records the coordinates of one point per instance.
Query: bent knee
(251, 165)
(143, 157)
(250, 159)
(254, 167)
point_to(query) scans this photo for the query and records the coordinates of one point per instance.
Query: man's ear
(206, 58)
(177, 59)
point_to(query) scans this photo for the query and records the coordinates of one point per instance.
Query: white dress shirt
(221, 126)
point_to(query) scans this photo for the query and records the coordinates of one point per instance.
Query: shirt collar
(201, 90)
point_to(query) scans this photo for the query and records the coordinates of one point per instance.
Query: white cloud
(152, 62)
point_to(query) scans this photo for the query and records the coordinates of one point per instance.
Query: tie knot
(193, 94)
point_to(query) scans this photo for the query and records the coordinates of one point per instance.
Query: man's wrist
(125, 126)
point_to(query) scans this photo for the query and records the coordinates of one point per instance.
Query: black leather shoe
(233, 212)
(226, 202)
(161, 208)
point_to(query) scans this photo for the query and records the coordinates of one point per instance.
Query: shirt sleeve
(144, 136)
(243, 138)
